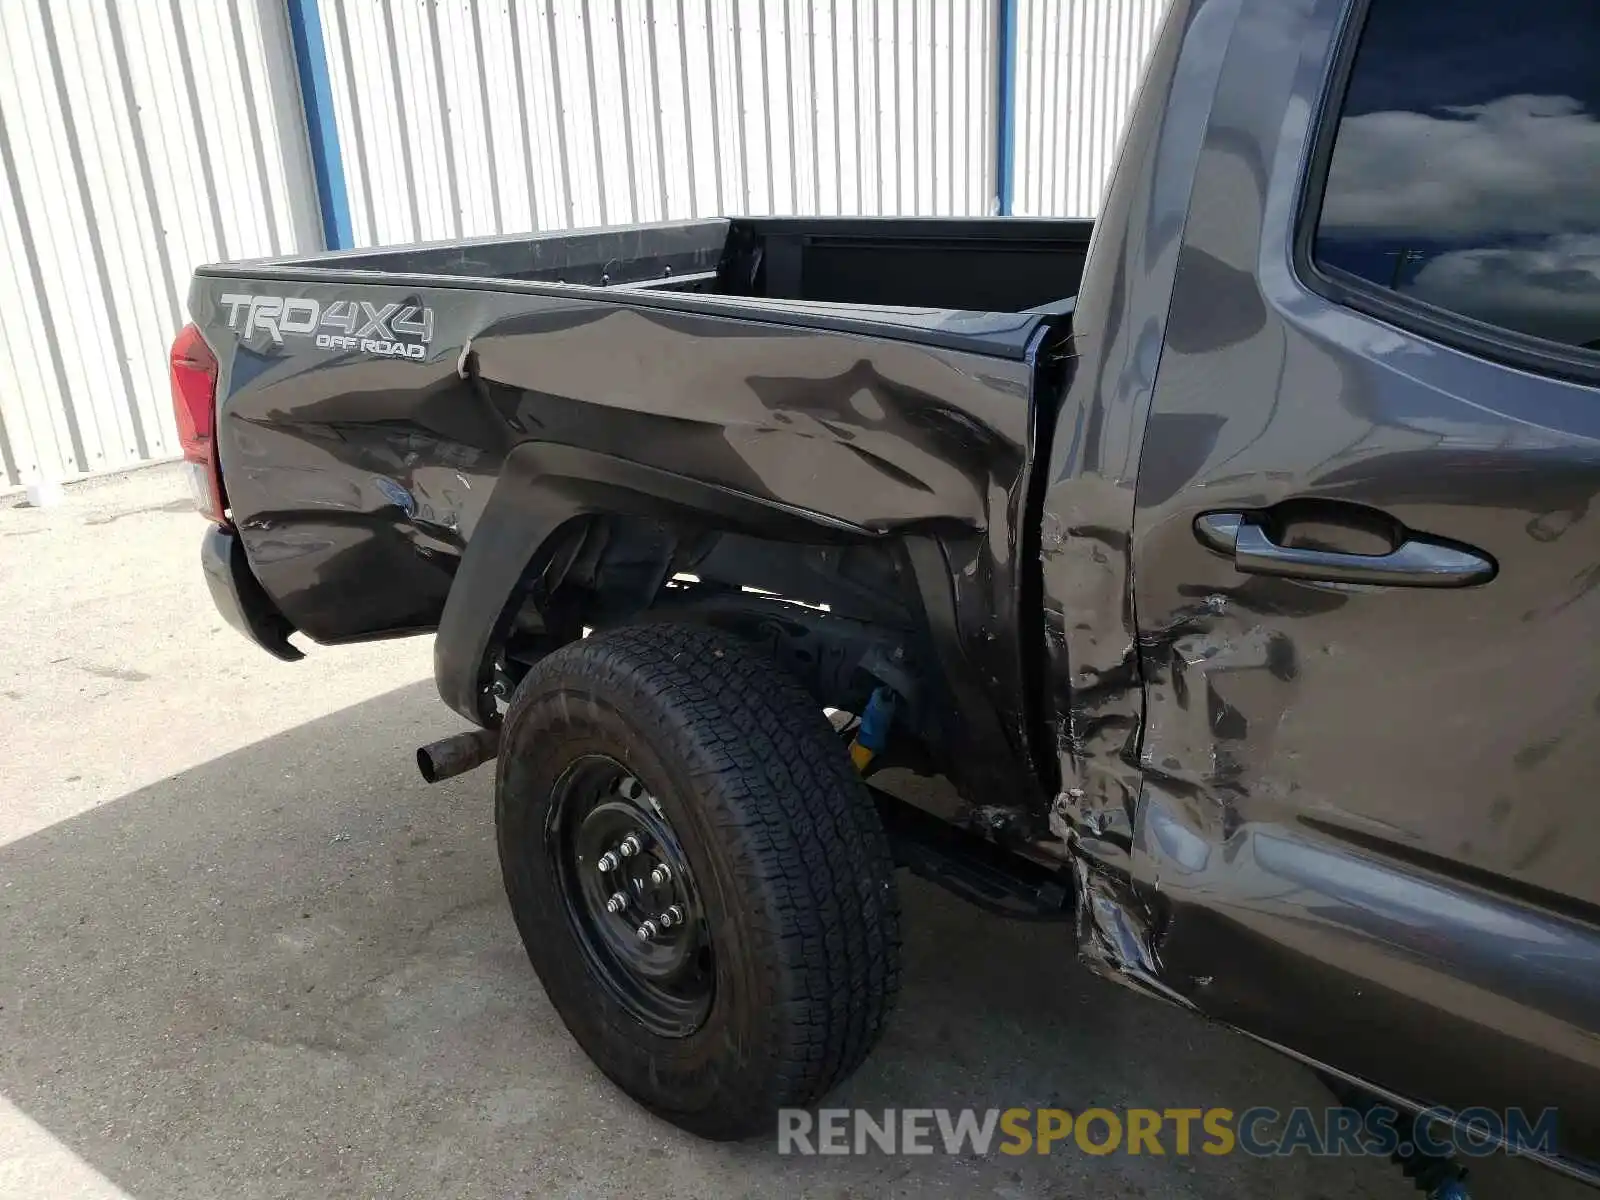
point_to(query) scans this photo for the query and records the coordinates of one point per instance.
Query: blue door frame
(1005, 108)
(322, 131)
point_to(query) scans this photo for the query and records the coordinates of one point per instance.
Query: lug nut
(660, 875)
(617, 903)
(648, 930)
(630, 846)
(673, 916)
(609, 861)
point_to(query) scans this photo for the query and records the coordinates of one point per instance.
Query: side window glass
(1466, 165)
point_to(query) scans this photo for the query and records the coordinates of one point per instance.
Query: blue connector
(873, 735)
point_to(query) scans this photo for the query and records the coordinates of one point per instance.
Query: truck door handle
(1417, 562)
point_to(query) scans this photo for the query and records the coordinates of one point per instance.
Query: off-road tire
(789, 857)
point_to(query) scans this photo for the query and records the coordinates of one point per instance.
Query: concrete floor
(245, 952)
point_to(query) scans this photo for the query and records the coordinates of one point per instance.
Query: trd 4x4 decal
(391, 330)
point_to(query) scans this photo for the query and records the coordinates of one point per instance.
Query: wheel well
(840, 617)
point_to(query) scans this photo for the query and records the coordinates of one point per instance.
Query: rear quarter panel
(356, 478)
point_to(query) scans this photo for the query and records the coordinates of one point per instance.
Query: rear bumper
(240, 599)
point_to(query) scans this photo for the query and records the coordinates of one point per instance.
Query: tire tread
(789, 809)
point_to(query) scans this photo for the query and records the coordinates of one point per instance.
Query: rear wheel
(698, 874)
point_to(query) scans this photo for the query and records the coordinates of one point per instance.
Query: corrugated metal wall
(1079, 63)
(458, 118)
(138, 138)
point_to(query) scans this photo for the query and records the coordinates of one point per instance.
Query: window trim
(1479, 338)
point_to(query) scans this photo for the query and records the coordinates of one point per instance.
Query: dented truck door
(1365, 558)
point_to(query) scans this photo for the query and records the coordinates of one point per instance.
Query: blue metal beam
(316, 95)
(1006, 108)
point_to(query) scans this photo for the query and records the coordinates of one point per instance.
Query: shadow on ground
(289, 971)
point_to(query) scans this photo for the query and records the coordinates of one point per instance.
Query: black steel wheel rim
(629, 896)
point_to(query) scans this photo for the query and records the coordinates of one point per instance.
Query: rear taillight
(194, 404)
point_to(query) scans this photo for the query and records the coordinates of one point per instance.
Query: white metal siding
(458, 118)
(138, 139)
(1079, 63)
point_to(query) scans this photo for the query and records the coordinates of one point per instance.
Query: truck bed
(976, 265)
(875, 373)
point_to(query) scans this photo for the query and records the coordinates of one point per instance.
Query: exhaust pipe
(449, 757)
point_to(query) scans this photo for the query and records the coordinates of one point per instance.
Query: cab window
(1465, 171)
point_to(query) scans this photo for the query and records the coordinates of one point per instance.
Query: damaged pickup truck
(1232, 558)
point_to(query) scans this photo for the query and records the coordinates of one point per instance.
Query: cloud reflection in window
(1468, 177)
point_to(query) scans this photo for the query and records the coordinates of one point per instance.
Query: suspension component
(873, 735)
